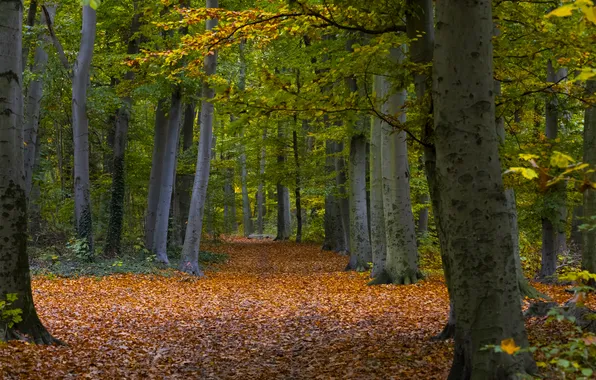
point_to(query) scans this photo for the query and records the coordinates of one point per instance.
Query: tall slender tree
(589, 235)
(80, 127)
(194, 227)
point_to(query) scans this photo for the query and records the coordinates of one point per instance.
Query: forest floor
(273, 311)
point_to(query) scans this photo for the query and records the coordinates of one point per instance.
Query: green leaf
(563, 363)
(587, 372)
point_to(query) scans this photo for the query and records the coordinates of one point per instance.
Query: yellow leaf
(508, 346)
(526, 172)
(527, 156)
(560, 160)
(565, 10)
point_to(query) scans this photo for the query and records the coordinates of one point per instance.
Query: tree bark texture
(474, 216)
(377, 216)
(283, 196)
(15, 277)
(157, 161)
(194, 226)
(554, 210)
(400, 231)
(589, 236)
(162, 216)
(34, 96)
(261, 190)
(80, 128)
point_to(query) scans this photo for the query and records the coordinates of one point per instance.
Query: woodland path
(274, 311)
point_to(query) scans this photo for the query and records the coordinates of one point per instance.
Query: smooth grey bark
(184, 181)
(297, 188)
(283, 195)
(15, 277)
(401, 266)
(194, 226)
(162, 216)
(80, 128)
(555, 212)
(474, 216)
(360, 249)
(589, 236)
(377, 216)
(341, 182)
(33, 101)
(159, 146)
(114, 234)
(246, 209)
(335, 239)
(260, 190)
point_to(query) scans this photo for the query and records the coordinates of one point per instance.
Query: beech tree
(15, 278)
(473, 206)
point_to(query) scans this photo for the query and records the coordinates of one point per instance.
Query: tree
(401, 266)
(473, 206)
(194, 227)
(80, 127)
(589, 235)
(15, 278)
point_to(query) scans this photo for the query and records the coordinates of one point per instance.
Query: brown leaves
(276, 310)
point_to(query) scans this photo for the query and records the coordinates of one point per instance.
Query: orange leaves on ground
(276, 310)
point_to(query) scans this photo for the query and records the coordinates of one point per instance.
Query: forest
(298, 189)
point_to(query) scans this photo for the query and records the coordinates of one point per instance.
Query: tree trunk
(554, 213)
(474, 216)
(297, 188)
(260, 190)
(80, 128)
(157, 162)
(575, 239)
(162, 218)
(246, 209)
(377, 216)
(194, 226)
(283, 195)
(14, 268)
(589, 241)
(402, 252)
(334, 234)
(360, 249)
(114, 235)
(341, 181)
(34, 96)
(184, 181)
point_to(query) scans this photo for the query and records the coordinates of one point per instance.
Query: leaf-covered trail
(275, 310)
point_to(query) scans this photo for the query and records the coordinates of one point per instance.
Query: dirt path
(274, 311)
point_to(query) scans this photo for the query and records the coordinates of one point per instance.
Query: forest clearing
(275, 310)
(221, 189)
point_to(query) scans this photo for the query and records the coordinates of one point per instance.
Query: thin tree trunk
(283, 203)
(80, 127)
(377, 216)
(34, 96)
(246, 209)
(114, 235)
(554, 213)
(575, 239)
(261, 191)
(589, 236)
(160, 239)
(334, 234)
(341, 181)
(297, 189)
(14, 271)
(474, 216)
(194, 226)
(184, 181)
(157, 162)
